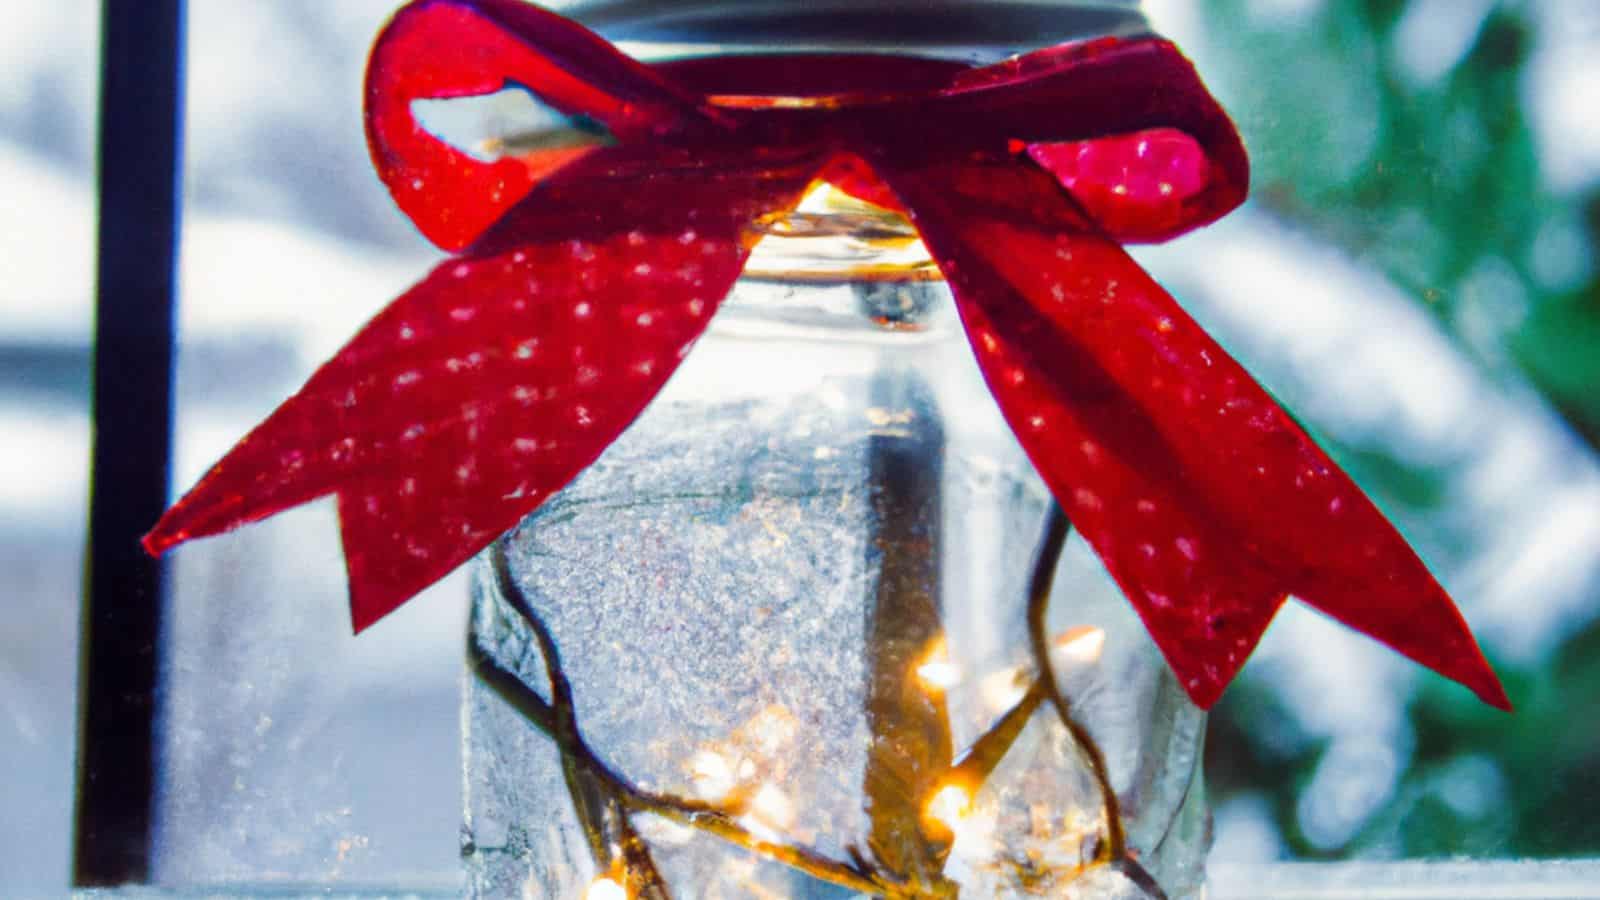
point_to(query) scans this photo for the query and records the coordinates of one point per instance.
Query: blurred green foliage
(1437, 182)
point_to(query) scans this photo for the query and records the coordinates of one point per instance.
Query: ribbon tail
(1206, 502)
(502, 374)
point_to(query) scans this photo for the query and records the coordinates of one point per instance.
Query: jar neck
(832, 237)
(972, 31)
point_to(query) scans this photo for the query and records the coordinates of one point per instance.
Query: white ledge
(1410, 880)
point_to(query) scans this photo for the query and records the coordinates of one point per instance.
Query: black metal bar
(140, 121)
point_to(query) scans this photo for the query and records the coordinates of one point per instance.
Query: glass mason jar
(794, 634)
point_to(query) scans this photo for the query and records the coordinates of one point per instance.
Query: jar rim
(976, 31)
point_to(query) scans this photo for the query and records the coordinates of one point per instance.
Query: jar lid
(972, 30)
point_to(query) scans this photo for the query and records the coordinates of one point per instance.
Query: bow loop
(1126, 126)
(447, 49)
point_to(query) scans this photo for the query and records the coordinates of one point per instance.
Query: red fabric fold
(1207, 503)
(586, 272)
(439, 49)
(496, 379)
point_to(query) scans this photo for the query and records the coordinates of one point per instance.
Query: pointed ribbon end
(1205, 693)
(1478, 676)
(369, 603)
(161, 538)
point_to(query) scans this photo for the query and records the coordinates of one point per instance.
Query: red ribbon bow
(583, 274)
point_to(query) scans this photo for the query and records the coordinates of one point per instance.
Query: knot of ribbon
(582, 273)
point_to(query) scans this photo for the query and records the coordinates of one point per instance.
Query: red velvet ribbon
(582, 275)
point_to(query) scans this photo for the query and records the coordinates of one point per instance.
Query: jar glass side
(793, 600)
(784, 638)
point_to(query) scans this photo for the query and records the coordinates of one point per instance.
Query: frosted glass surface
(806, 604)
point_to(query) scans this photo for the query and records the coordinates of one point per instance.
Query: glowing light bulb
(770, 729)
(712, 776)
(949, 806)
(1003, 689)
(936, 671)
(772, 807)
(605, 888)
(939, 675)
(1081, 644)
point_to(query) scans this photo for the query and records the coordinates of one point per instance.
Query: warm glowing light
(772, 807)
(936, 671)
(949, 806)
(712, 776)
(605, 888)
(939, 675)
(770, 729)
(1003, 689)
(1081, 644)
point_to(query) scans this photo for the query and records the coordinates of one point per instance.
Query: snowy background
(320, 758)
